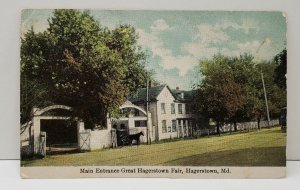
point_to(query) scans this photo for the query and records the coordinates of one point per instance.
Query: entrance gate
(61, 136)
(39, 115)
(84, 140)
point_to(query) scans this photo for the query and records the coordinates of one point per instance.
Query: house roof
(141, 94)
(188, 95)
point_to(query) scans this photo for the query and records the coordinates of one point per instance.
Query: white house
(170, 111)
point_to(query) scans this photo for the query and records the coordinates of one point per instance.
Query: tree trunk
(218, 128)
(208, 131)
(235, 126)
(258, 124)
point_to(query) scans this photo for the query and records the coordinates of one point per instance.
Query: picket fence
(244, 126)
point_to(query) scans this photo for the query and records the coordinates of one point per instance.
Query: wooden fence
(245, 126)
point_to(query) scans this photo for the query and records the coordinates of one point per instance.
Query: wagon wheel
(124, 139)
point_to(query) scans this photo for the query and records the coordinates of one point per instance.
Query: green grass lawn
(257, 148)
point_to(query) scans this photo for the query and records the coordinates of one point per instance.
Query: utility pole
(263, 82)
(266, 99)
(147, 108)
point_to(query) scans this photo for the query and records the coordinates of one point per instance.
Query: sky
(175, 42)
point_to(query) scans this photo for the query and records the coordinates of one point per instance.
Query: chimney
(151, 83)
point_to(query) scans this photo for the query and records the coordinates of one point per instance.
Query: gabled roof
(141, 94)
(187, 97)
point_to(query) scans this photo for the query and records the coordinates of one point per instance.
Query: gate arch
(37, 116)
(38, 112)
(128, 104)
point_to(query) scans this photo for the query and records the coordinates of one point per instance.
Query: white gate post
(43, 146)
(80, 128)
(36, 131)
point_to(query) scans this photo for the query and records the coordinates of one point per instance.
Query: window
(169, 129)
(172, 108)
(140, 123)
(137, 123)
(180, 108)
(163, 108)
(122, 126)
(164, 126)
(187, 108)
(174, 126)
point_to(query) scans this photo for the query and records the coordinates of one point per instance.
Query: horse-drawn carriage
(124, 138)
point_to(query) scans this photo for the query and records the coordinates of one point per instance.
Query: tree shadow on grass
(257, 156)
(268, 131)
(52, 152)
(61, 151)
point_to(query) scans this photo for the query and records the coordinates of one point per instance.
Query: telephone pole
(147, 108)
(266, 99)
(263, 82)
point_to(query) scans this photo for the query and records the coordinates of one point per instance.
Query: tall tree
(275, 93)
(231, 89)
(281, 61)
(84, 65)
(248, 76)
(219, 95)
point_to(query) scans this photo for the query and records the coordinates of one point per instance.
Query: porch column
(187, 127)
(181, 128)
(177, 127)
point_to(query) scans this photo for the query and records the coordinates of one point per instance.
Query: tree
(275, 93)
(281, 62)
(231, 90)
(246, 75)
(84, 65)
(219, 95)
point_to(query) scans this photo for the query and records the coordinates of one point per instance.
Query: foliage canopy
(231, 89)
(81, 64)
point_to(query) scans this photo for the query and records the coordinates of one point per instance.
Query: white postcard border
(190, 172)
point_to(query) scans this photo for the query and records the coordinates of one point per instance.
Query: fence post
(42, 147)
(114, 138)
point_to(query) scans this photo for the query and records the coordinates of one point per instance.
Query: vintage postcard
(144, 93)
